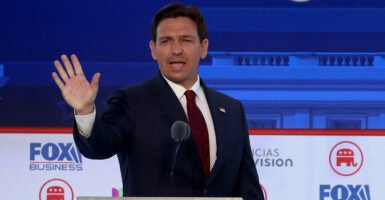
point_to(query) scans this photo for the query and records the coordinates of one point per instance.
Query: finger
(68, 65)
(76, 63)
(57, 80)
(95, 80)
(62, 72)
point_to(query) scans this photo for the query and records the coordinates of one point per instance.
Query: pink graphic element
(264, 192)
(115, 192)
(55, 193)
(346, 156)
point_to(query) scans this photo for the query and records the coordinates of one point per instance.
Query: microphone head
(180, 131)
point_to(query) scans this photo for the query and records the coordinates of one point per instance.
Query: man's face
(178, 50)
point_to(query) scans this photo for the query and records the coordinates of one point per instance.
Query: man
(137, 122)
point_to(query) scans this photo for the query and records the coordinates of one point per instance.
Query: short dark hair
(174, 10)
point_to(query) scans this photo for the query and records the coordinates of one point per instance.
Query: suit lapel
(166, 99)
(171, 105)
(217, 110)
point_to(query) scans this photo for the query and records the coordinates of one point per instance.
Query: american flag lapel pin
(222, 110)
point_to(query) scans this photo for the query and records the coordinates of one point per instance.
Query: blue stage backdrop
(298, 68)
(316, 64)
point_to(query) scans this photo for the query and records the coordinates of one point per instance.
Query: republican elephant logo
(346, 156)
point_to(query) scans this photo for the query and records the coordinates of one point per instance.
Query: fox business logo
(54, 157)
(344, 192)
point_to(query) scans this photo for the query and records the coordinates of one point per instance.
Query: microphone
(180, 131)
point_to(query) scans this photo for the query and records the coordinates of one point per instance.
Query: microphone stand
(180, 131)
(177, 146)
(174, 157)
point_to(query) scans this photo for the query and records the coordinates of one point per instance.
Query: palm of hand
(75, 89)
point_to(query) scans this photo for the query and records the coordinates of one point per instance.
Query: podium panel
(159, 198)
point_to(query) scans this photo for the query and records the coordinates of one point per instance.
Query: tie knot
(190, 95)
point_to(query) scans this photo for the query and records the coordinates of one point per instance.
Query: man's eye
(187, 40)
(164, 41)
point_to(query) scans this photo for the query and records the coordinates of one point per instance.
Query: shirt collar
(180, 90)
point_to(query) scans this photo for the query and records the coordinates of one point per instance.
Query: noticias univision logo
(270, 158)
(54, 157)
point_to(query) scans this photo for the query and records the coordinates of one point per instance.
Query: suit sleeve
(109, 131)
(248, 181)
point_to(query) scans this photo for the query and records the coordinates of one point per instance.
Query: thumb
(95, 80)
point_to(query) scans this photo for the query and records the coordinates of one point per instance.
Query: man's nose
(177, 49)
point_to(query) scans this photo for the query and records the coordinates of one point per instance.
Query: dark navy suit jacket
(136, 126)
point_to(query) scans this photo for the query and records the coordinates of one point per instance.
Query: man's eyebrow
(164, 37)
(188, 36)
(170, 37)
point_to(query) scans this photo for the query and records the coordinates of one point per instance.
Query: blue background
(112, 37)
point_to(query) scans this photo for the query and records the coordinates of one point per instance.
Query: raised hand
(75, 89)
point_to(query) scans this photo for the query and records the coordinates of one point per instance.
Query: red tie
(199, 131)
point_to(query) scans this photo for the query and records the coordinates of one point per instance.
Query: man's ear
(153, 50)
(205, 47)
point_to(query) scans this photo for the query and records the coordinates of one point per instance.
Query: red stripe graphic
(36, 130)
(320, 132)
(252, 131)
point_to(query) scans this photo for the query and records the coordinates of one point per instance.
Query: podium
(158, 198)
